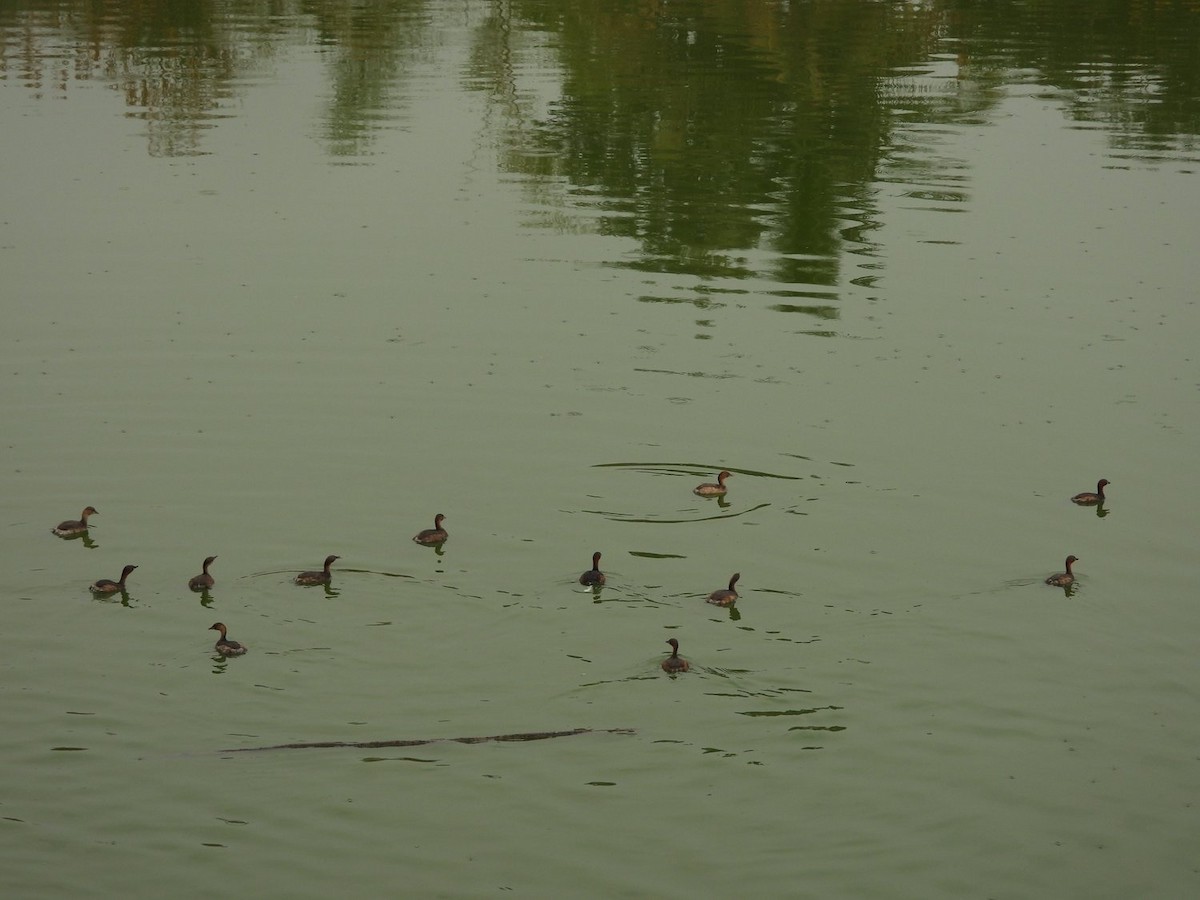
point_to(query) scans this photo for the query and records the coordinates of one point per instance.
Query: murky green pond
(286, 280)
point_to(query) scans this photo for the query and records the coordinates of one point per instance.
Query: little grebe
(593, 577)
(203, 580)
(70, 527)
(434, 535)
(224, 646)
(708, 489)
(104, 586)
(674, 662)
(321, 577)
(1064, 579)
(726, 597)
(1087, 498)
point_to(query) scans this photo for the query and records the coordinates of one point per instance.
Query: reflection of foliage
(698, 127)
(1132, 65)
(370, 43)
(714, 133)
(172, 60)
(711, 127)
(177, 62)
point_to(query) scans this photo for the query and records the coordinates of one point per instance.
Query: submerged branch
(369, 745)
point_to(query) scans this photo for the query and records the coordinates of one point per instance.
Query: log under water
(374, 745)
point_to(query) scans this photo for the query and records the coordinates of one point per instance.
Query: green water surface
(283, 281)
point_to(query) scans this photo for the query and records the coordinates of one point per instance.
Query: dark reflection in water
(714, 132)
(180, 65)
(656, 519)
(729, 141)
(84, 538)
(697, 102)
(740, 141)
(369, 48)
(692, 470)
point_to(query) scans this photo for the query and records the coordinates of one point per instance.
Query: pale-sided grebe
(203, 581)
(726, 597)
(1064, 579)
(224, 645)
(674, 663)
(321, 577)
(71, 527)
(105, 586)
(708, 489)
(1087, 498)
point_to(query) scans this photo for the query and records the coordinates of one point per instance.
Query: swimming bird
(1087, 498)
(224, 645)
(72, 527)
(674, 663)
(435, 535)
(106, 586)
(203, 581)
(593, 577)
(726, 597)
(1064, 579)
(708, 489)
(322, 577)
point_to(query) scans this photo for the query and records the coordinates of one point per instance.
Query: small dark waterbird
(593, 577)
(72, 526)
(1064, 579)
(708, 489)
(321, 577)
(728, 596)
(674, 663)
(224, 645)
(107, 586)
(1087, 498)
(203, 581)
(435, 535)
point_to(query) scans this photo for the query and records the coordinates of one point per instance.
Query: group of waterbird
(594, 578)
(1086, 498)
(437, 535)
(73, 528)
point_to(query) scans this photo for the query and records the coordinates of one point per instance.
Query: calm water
(285, 280)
